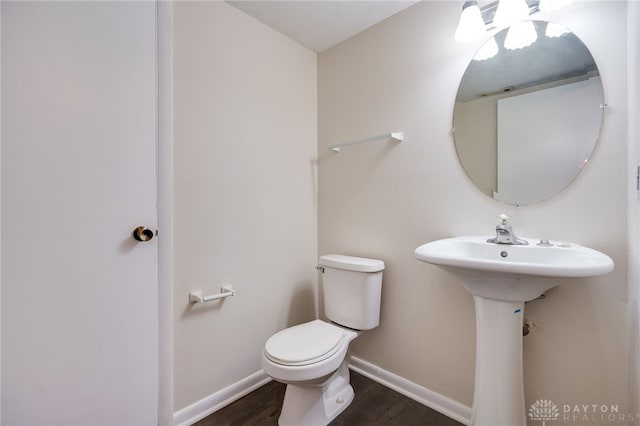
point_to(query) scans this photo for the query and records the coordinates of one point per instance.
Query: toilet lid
(304, 344)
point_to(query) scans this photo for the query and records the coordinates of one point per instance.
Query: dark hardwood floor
(373, 405)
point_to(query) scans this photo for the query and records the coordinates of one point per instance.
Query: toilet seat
(304, 344)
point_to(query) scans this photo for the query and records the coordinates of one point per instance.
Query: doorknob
(142, 233)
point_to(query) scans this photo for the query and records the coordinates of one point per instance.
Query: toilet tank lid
(350, 263)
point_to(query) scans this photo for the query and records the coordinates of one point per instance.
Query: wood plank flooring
(374, 405)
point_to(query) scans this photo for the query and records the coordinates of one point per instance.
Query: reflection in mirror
(527, 119)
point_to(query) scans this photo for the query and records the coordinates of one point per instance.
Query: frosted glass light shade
(555, 30)
(471, 25)
(510, 12)
(520, 35)
(487, 51)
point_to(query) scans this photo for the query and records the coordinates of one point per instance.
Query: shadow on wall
(302, 307)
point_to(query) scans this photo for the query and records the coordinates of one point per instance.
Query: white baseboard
(447, 406)
(214, 402)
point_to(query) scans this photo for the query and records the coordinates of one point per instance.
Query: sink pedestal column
(501, 277)
(498, 396)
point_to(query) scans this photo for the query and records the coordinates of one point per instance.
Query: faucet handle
(544, 242)
(503, 219)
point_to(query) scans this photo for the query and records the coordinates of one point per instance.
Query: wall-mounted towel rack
(394, 136)
(195, 296)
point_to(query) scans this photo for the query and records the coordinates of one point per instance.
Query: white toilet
(311, 358)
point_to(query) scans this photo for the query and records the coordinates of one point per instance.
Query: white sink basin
(501, 278)
(513, 272)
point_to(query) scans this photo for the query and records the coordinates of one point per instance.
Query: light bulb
(555, 30)
(510, 12)
(487, 51)
(520, 35)
(471, 25)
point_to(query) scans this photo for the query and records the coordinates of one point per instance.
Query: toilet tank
(351, 287)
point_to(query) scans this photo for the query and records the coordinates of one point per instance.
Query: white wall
(245, 120)
(382, 200)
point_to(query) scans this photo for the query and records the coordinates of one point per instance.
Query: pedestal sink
(501, 278)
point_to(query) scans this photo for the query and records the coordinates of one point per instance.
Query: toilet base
(317, 405)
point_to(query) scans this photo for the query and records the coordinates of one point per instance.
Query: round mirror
(528, 112)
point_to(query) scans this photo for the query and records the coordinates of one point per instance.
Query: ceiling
(320, 24)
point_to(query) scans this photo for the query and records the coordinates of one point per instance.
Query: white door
(79, 294)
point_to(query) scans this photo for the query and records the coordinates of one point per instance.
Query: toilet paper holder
(195, 296)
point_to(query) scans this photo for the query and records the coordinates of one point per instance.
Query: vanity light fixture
(509, 12)
(475, 21)
(487, 51)
(555, 30)
(471, 24)
(520, 35)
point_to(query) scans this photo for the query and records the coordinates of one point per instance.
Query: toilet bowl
(312, 358)
(307, 351)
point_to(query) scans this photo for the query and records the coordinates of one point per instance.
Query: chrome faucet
(505, 234)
